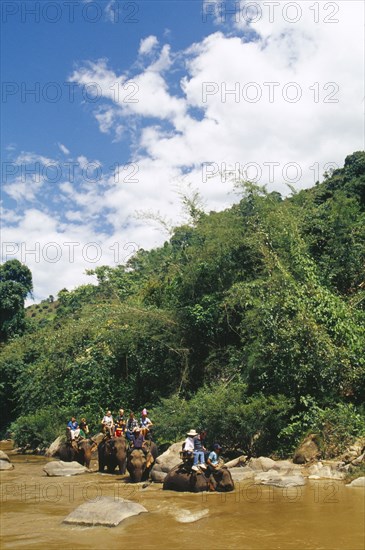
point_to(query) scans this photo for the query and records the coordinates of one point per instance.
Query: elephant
(139, 464)
(182, 479)
(112, 453)
(82, 454)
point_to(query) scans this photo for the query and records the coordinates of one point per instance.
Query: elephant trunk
(137, 475)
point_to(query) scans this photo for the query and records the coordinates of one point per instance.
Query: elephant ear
(149, 460)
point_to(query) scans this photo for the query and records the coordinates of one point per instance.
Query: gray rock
(4, 456)
(106, 511)
(170, 458)
(158, 476)
(274, 478)
(359, 460)
(55, 446)
(325, 471)
(5, 465)
(308, 450)
(60, 469)
(358, 446)
(240, 461)
(98, 438)
(262, 464)
(241, 474)
(286, 467)
(358, 482)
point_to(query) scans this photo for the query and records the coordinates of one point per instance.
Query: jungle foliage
(249, 322)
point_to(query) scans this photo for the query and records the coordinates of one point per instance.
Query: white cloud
(191, 140)
(64, 149)
(147, 45)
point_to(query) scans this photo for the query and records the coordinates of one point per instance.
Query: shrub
(249, 424)
(337, 426)
(41, 428)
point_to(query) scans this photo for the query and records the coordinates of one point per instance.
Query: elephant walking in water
(182, 479)
(81, 454)
(112, 453)
(139, 463)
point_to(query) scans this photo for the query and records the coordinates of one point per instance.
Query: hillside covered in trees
(249, 322)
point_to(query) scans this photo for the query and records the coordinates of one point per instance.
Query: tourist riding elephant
(139, 463)
(181, 479)
(82, 454)
(112, 453)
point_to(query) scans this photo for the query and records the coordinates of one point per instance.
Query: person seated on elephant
(82, 434)
(72, 431)
(108, 424)
(199, 457)
(132, 423)
(119, 429)
(188, 449)
(145, 423)
(214, 462)
(84, 427)
(120, 418)
(138, 440)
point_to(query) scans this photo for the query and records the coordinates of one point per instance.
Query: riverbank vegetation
(249, 322)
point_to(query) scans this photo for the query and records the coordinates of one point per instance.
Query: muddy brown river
(321, 515)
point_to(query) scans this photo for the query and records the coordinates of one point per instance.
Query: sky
(113, 110)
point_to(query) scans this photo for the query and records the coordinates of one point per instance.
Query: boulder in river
(60, 469)
(325, 471)
(5, 465)
(241, 474)
(262, 464)
(358, 482)
(170, 458)
(105, 511)
(237, 462)
(55, 446)
(157, 475)
(4, 456)
(272, 477)
(308, 450)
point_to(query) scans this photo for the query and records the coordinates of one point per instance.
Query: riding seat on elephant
(140, 462)
(112, 452)
(80, 451)
(183, 479)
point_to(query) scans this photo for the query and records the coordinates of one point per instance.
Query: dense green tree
(252, 319)
(15, 285)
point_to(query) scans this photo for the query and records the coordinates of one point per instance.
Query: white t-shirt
(108, 420)
(189, 444)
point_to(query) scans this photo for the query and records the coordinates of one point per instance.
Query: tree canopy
(15, 285)
(257, 311)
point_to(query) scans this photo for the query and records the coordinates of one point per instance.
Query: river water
(321, 515)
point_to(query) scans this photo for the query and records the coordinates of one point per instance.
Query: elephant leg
(111, 467)
(101, 463)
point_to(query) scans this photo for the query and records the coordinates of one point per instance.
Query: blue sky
(182, 104)
(44, 52)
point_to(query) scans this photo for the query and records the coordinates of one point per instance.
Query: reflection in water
(321, 515)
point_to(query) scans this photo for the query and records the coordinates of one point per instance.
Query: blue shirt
(213, 457)
(138, 441)
(73, 425)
